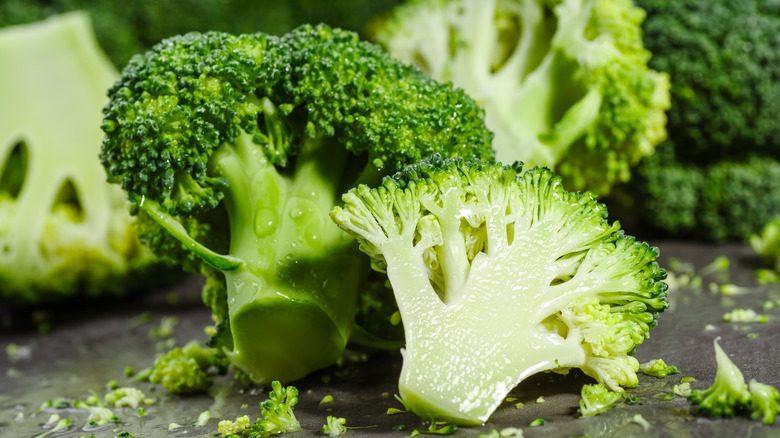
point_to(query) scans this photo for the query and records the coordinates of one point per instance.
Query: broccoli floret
(276, 416)
(728, 394)
(63, 230)
(725, 73)
(597, 399)
(716, 177)
(183, 370)
(500, 274)
(564, 83)
(239, 146)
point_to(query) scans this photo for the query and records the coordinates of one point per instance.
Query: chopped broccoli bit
(334, 426)
(492, 265)
(183, 370)
(276, 416)
(537, 422)
(640, 420)
(764, 401)
(682, 389)
(596, 399)
(658, 368)
(744, 316)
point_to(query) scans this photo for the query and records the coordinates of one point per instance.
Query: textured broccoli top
(724, 66)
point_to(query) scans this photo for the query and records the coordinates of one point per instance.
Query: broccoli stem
(298, 281)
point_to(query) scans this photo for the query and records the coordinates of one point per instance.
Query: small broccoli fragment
(728, 394)
(64, 231)
(276, 416)
(234, 149)
(565, 83)
(744, 316)
(597, 399)
(658, 368)
(127, 397)
(184, 370)
(334, 426)
(764, 401)
(58, 426)
(493, 265)
(767, 245)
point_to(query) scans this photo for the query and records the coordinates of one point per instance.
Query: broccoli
(767, 245)
(494, 266)
(63, 230)
(183, 370)
(597, 399)
(715, 178)
(564, 83)
(276, 416)
(234, 149)
(658, 368)
(729, 395)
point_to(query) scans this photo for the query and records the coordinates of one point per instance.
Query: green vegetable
(716, 177)
(276, 416)
(237, 147)
(184, 370)
(498, 275)
(63, 230)
(564, 83)
(729, 395)
(767, 245)
(658, 368)
(597, 399)
(334, 426)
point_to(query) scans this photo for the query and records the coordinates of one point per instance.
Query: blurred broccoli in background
(716, 177)
(565, 83)
(63, 230)
(125, 28)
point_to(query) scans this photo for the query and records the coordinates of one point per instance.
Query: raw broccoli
(564, 83)
(767, 245)
(716, 177)
(126, 28)
(183, 370)
(63, 230)
(239, 146)
(597, 399)
(498, 275)
(658, 368)
(729, 395)
(276, 416)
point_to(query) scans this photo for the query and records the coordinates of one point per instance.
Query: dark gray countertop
(92, 346)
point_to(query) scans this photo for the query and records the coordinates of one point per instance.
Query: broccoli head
(500, 274)
(239, 146)
(564, 83)
(63, 230)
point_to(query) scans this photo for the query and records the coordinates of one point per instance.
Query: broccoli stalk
(63, 230)
(564, 83)
(237, 147)
(491, 266)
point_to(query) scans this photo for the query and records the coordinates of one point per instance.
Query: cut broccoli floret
(658, 368)
(767, 245)
(498, 275)
(63, 230)
(728, 394)
(564, 83)
(239, 146)
(597, 399)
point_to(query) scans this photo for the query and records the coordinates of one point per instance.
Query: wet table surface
(93, 344)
